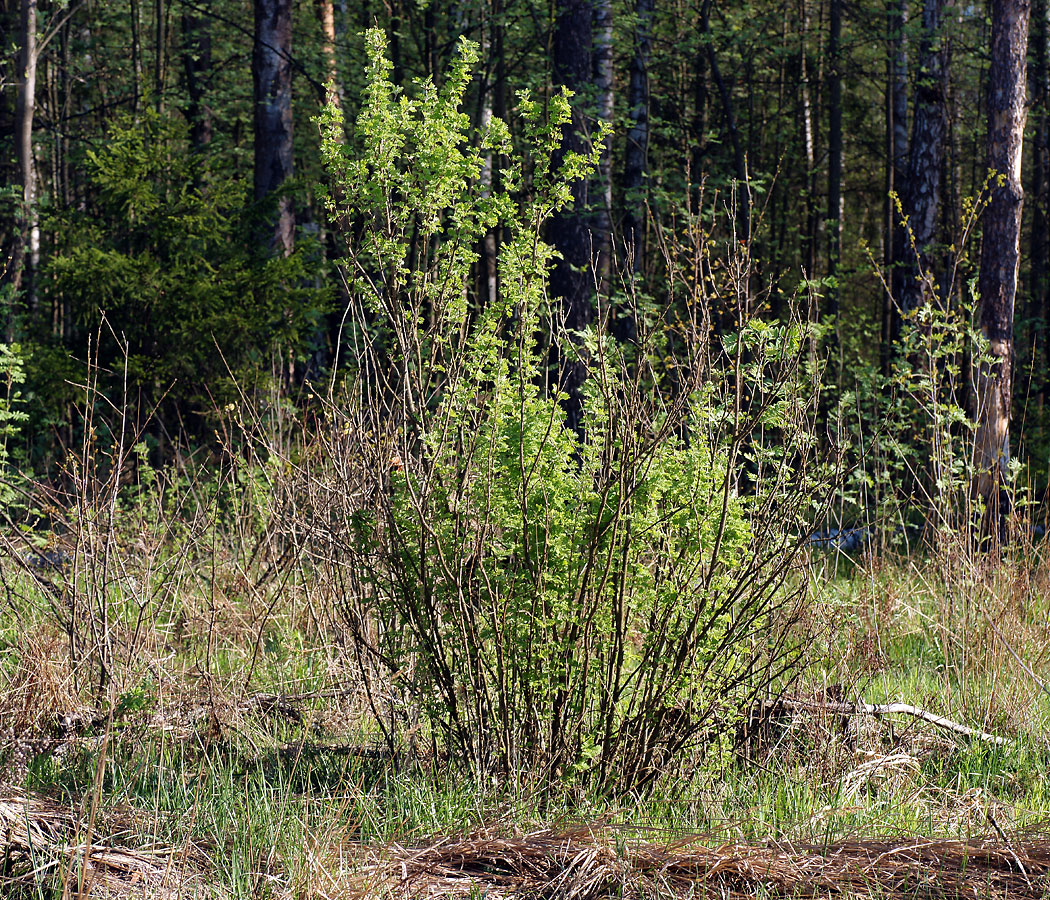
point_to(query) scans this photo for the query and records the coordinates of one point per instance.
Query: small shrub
(535, 601)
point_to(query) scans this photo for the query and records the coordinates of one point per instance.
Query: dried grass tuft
(44, 842)
(591, 863)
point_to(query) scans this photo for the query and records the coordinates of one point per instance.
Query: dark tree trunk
(136, 57)
(809, 249)
(834, 155)
(635, 167)
(196, 64)
(743, 206)
(637, 150)
(1000, 251)
(1039, 289)
(896, 163)
(491, 101)
(912, 278)
(160, 60)
(571, 281)
(701, 91)
(603, 83)
(272, 75)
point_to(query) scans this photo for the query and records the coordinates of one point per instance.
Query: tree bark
(1000, 252)
(334, 85)
(809, 250)
(27, 242)
(196, 64)
(603, 83)
(160, 60)
(896, 165)
(834, 156)
(571, 280)
(272, 76)
(912, 278)
(743, 207)
(136, 58)
(636, 152)
(1039, 287)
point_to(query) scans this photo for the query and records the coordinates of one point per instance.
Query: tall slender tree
(571, 280)
(896, 161)
(1000, 252)
(272, 79)
(1039, 246)
(27, 242)
(834, 225)
(912, 277)
(196, 66)
(636, 152)
(604, 80)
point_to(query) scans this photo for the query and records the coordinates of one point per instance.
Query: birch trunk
(27, 244)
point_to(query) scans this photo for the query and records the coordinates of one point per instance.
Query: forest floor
(236, 759)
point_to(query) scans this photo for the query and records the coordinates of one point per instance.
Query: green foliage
(554, 604)
(12, 414)
(162, 274)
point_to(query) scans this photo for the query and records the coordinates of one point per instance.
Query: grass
(231, 732)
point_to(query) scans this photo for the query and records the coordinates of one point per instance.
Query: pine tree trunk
(896, 166)
(834, 155)
(603, 83)
(196, 64)
(637, 150)
(912, 278)
(743, 206)
(1039, 288)
(160, 60)
(571, 280)
(272, 75)
(1000, 253)
(334, 85)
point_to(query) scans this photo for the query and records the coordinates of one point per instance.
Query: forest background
(162, 219)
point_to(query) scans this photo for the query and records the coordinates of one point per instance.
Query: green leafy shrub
(539, 602)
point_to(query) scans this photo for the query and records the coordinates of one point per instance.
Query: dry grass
(45, 843)
(588, 863)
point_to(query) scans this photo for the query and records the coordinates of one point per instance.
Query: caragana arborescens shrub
(532, 600)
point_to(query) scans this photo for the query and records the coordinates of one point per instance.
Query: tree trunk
(834, 156)
(571, 280)
(1000, 252)
(136, 58)
(603, 82)
(743, 206)
(809, 250)
(896, 165)
(912, 279)
(160, 60)
(334, 86)
(272, 75)
(637, 150)
(196, 63)
(27, 242)
(1039, 288)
